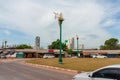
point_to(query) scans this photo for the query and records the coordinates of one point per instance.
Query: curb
(69, 71)
(13, 59)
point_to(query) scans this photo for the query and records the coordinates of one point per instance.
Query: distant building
(70, 44)
(37, 42)
(81, 46)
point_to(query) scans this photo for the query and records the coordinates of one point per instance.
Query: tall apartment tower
(71, 44)
(81, 46)
(37, 42)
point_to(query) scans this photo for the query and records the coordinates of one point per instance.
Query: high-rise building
(81, 46)
(37, 42)
(70, 44)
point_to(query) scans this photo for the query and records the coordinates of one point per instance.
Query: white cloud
(35, 17)
(7, 32)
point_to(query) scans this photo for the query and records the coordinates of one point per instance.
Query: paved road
(15, 71)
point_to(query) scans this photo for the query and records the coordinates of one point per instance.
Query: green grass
(79, 64)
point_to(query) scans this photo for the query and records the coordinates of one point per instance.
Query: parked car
(111, 72)
(3, 56)
(92, 55)
(98, 56)
(48, 56)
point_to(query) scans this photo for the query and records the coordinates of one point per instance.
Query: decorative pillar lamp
(60, 18)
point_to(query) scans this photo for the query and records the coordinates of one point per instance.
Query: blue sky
(94, 21)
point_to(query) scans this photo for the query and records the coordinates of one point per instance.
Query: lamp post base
(60, 61)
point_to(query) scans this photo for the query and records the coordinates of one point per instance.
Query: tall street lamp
(60, 20)
(77, 44)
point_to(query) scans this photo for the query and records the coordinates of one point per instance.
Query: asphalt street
(15, 71)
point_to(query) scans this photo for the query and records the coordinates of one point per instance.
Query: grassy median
(79, 64)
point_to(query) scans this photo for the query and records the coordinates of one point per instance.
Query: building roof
(37, 51)
(87, 52)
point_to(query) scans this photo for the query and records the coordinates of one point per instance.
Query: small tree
(23, 46)
(56, 45)
(110, 44)
(69, 51)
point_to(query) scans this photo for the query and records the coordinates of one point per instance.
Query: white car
(2, 56)
(48, 56)
(99, 56)
(111, 72)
